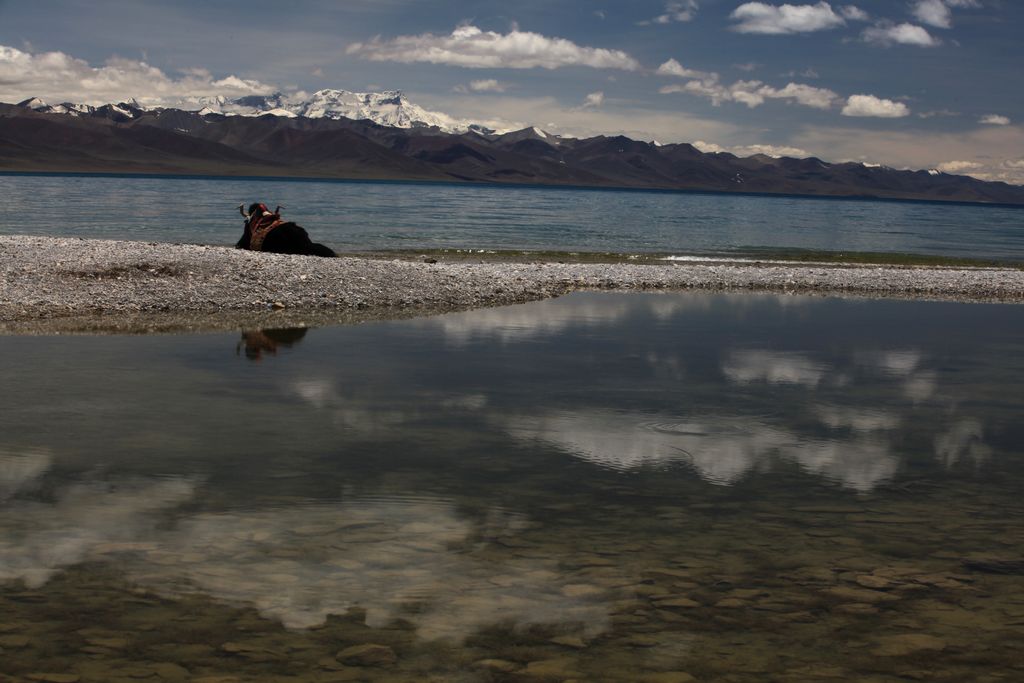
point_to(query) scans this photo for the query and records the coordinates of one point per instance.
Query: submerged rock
(559, 669)
(499, 665)
(859, 595)
(14, 642)
(668, 677)
(570, 641)
(684, 603)
(369, 654)
(112, 643)
(907, 644)
(872, 581)
(995, 566)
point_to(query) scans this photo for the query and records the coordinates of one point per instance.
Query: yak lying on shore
(266, 231)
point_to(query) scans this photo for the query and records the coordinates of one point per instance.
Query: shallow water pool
(603, 487)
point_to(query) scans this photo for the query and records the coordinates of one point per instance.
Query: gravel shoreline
(54, 284)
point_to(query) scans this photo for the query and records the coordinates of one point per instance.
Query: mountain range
(341, 134)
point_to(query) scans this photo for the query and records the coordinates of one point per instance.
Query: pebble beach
(53, 284)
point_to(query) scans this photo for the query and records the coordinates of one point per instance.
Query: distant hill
(127, 138)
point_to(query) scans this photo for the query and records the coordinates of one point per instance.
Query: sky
(904, 83)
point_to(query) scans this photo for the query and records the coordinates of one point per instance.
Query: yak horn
(278, 209)
(241, 210)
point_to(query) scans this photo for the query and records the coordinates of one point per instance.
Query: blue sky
(911, 83)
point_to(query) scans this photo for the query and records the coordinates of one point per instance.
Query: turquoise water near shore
(398, 215)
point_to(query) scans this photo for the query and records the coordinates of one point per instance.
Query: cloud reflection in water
(774, 367)
(38, 538)
(20, 469)
(721, 450)
(395, 559)
(510, 324)
(411, 559)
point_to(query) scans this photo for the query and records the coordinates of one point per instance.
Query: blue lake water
(611, 488)
(396, 215)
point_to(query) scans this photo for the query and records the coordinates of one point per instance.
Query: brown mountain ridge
(127, 139)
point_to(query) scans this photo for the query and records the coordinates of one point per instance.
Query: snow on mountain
(36, 104)
(388, 108)
(531, 133)
(33, 103)
(278, 111)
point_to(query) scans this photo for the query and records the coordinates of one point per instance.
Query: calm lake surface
(603, 487)
(362, 216)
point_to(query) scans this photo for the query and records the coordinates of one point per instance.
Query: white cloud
(899, 34)
(750, 150)
(808, 96)
(674, 68)
(679, 11)
(958, 167)
(750, 93)
(639, 123)
(471, 47)
(1006, 170)
(937, 12)
(854, 13)
(709, 88)
(937, 112)
(709, 147)
(771, 151)
(483, 85)
(486, 85)
(989, 146)
(806, 73)
(760, 17)
(869, 105)
(932, 12)
(60, 77)
(594, 99)
(995, 120)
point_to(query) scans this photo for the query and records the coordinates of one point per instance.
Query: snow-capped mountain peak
(387, 108)
(37, 104)
(33, 103)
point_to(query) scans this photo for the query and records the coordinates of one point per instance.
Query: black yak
(266, 231)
